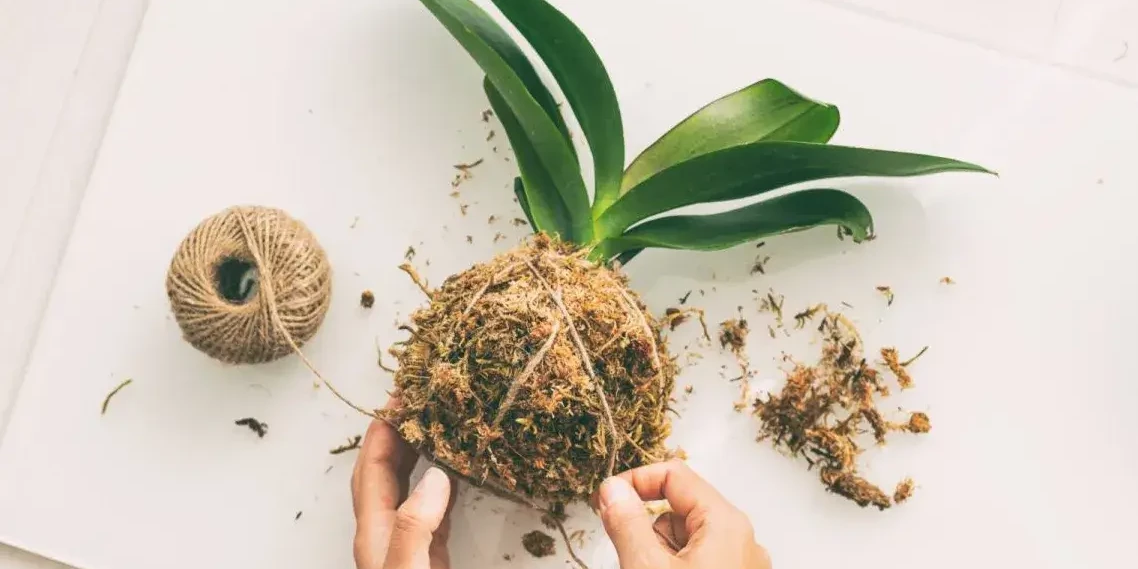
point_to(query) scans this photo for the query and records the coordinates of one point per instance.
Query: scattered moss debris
(824, 408)
(918, 423)
(759, 265)
(539, 544)
(888, 293)
(470, 166)
(904, 491)
(470, 239)
(492, 219)
(673, 317)
(689, 389)
(733, 334)
(409, 255)
(947, 281)
(507, 557)
(486, 115)
(538, 373)
(891, 361)
(770, 302)
(684, 298)
(465, 172)
(489, 136)
(807, 315)
(578, 537)
(353, 444)
(519, 222)
(498, 237)
(107, 399)
(914, 358)
(298, 514)
(462, 208)
(367, 299)
(254, 425)
(416, 278)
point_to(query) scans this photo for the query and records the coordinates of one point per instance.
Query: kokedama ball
(538, 373)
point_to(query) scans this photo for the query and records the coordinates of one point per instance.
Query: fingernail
(616, 490)
(433, 490)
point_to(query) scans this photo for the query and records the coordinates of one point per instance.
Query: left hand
(395, 530)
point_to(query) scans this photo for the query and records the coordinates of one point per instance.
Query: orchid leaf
(543, 204)
(753, 169)
(523, 201)
(788, 213)
(502, 61)
(767, 110)
(583, 79)
(476, 21)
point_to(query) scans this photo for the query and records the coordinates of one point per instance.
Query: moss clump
(537, 374)
(824, 408)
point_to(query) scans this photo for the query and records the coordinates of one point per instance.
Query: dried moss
(824, 408)
(904, 491)
(538, 544)
(494, 384)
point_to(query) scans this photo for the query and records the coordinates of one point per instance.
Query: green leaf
(784, 214)
(543, 204)
(767, 110)
(520, 193)
(581, 75)
(752, 169)
(624, 257)
(495, 53)
(479, 23)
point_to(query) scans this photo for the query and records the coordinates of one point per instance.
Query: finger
(629, 525)
(416, 522)
(677, 483)
(443, 533)
(671, 531)
(383, 466)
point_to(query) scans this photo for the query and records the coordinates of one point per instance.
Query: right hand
(703, 530)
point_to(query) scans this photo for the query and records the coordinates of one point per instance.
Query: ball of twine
(249, 285)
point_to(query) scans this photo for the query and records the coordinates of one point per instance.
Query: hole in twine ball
(249, 285)
(236, 279)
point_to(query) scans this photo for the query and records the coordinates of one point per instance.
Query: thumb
(416, 521)
(629, 526)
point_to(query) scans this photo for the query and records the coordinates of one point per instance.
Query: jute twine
(249, 285)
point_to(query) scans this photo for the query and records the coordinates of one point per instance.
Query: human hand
(395, 530)
(703, 530)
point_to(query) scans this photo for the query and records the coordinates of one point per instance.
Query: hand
(395, 530)
(703, 530)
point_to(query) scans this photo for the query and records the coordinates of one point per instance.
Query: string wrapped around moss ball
(538, 373)
(249, 285)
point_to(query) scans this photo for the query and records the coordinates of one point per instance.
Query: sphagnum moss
(539, 371)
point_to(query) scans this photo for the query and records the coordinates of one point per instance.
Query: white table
(1070, 63)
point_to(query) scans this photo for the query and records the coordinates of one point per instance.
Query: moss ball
(538, 373)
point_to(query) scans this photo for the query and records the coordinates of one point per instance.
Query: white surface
(61, 63)
(352, 108)
(40, 46)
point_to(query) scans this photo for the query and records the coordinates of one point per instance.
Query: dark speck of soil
(538, 544)
(254, 425)
(367, 299)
